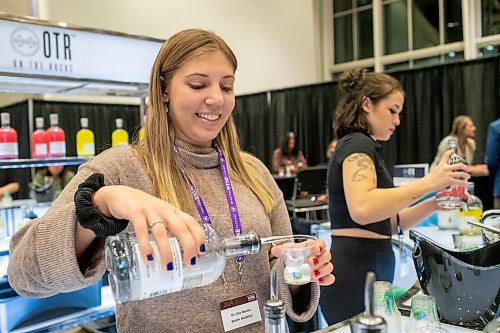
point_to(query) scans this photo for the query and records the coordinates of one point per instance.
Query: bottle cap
(39, 122)
(84, 122)
(54, 119)
(119, 122)
(5, 118)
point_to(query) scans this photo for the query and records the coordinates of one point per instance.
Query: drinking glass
(423, 315)
(384, 305)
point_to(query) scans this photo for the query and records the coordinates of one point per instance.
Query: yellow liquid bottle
(119, 137)
(141, 133)
(85, 142)
(473, 213)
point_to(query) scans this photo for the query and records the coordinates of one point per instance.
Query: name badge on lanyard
(239, 312)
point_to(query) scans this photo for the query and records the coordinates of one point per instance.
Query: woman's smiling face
(201, 98)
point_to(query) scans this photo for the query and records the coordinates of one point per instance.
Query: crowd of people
(189, 169)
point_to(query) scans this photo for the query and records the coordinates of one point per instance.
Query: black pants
(352, 259)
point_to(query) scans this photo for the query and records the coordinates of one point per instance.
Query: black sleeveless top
(339, 213)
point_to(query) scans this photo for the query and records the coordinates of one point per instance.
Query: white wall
(274, 40)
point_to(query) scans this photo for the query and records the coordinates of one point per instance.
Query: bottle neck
(274, 311)
(239, 245)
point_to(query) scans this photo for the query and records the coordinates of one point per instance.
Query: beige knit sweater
(43, 260)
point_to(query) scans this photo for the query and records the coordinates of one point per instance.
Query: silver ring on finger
(152, 223)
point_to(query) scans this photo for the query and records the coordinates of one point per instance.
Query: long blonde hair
(155, 150)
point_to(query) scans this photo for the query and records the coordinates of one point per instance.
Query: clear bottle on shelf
(131, 278)
(56, 138)
(119, 137)
(8, 138)
(39, 146)
(453, 197)
(85, 142)
(473, 212)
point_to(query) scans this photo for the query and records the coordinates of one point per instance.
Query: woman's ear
(166, 99)
(366, 104)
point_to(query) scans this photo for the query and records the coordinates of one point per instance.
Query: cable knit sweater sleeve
(280, 224)
(43, 259)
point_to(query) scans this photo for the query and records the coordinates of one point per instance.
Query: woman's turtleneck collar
(198, 157)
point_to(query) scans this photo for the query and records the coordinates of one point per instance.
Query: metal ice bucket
(466, 285)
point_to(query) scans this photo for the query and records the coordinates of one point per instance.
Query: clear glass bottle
(119, 137)
(453, 197)
(132, 279)
(56, 138)
(85, 144)
(473, 212)
(8, 138)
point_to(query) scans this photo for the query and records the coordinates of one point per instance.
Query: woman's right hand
(150, 214)
(444, 175)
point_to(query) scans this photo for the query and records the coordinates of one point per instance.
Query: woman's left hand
(319, 259)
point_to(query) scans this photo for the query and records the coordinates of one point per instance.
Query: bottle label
(40, 149)
(154, 279)
(57, 148)
(89, 148)
(9, 149)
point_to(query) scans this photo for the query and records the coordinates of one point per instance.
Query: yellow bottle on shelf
(85, 142)
(141, 131)
(119, 137)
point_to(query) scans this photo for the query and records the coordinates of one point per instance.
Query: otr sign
(56, 45)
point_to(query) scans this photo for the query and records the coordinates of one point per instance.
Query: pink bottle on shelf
(8, 138)
(39, 146)
(55, 138)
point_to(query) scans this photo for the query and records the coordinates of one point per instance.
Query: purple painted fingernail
(150, 257)
(170, 266)
(202, 248)
(193, 261)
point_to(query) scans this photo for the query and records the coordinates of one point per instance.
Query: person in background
(60, 175)
(331, 148)
(464, 130)
(189, 157)
(9, 184)
(364, 206)
(288, 156)
(8, 189)
(492, 158)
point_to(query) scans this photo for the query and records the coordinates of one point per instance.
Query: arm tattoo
(364, 164)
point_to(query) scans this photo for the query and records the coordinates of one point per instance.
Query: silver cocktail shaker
(368, 322)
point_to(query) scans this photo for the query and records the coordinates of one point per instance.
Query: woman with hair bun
(365, 208)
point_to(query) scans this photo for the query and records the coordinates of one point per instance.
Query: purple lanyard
(200, 206)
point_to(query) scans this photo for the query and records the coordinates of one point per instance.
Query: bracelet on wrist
(88, 215)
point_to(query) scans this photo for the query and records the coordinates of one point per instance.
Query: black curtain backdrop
(251, 114)
(434, 96)
(306, 111)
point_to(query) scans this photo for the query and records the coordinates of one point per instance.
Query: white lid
(5, 118)
(119, 122)
(84, 122)
(39, 122)
(54, 119)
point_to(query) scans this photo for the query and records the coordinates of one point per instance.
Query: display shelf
(35, 163)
